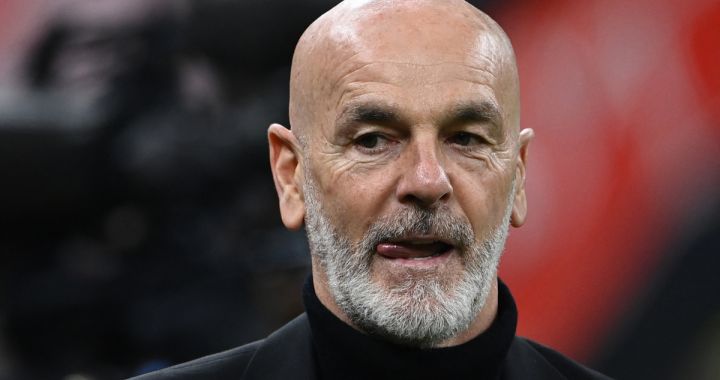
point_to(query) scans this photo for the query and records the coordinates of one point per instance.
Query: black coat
(287, 355)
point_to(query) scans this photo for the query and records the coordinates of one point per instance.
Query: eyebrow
(483, 112)
(367, 113)
(480, 112)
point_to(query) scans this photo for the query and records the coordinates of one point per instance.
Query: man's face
(410, 178)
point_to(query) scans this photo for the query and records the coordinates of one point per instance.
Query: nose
(424, 180)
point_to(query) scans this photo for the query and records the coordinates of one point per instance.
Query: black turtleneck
(341, 352)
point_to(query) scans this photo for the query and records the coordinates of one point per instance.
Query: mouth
(415, 249)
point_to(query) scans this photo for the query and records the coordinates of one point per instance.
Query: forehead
(419, 70)
(414, 57)
(419, 36)
(421, 89)
(413, 49)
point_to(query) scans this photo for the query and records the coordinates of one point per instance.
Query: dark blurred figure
(121, 57)
(139, 226)
(682, 304)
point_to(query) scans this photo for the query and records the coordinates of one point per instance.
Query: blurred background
(138, 219)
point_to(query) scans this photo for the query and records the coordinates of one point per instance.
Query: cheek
(483, 199)
(355, 201)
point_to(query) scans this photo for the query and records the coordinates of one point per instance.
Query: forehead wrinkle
(350, 92)
(366, 64)
(338, 85)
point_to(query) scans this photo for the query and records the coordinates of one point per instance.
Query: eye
(369, 140)
(466, 139)
(373, 143)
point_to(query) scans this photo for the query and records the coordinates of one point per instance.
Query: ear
(519, 210)
(287, 174)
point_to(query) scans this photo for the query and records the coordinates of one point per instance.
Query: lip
(416, 251)
(427, 263)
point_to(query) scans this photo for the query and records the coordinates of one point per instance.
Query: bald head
(357, 33)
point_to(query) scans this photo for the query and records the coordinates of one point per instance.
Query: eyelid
(384, 141)
(385, 133)
(481, 139)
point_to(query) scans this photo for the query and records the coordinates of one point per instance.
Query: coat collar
(285, 354)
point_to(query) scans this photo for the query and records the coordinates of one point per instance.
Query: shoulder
(227, 364)
(532, 360)
(284, 354)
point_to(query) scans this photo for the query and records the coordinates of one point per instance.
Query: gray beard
(423, 308)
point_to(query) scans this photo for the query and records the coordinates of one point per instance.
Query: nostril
(411, 199)
(424, 194)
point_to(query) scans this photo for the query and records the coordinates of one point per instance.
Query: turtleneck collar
(341, 352)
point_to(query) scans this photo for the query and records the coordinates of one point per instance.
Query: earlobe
(287, 175)
(519, 209)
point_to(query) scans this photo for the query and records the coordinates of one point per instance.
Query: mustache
(440, 223)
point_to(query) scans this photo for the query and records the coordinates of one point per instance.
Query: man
(406, 163)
